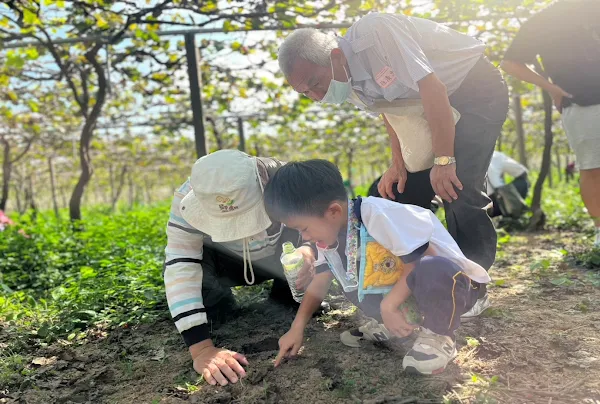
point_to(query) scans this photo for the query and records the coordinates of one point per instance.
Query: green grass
(59, 281)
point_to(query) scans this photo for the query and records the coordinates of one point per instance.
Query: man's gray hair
(305, 43)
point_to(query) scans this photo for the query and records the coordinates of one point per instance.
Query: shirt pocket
(385, 83)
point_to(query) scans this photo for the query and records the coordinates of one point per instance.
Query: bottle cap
(288, 247)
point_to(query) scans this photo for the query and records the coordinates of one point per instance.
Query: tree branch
(25, 150)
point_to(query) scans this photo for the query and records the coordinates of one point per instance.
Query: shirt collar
(357, 70)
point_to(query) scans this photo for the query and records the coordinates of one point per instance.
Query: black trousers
(442, 292)
(222, 269)
(482, 101)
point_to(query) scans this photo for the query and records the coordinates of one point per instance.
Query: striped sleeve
(183, 274)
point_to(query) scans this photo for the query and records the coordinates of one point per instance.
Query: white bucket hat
(226, 200)
(226, 197)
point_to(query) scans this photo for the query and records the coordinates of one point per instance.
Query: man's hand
(396, 173)
(395, 322)
(308, 269)
(443, 180)
(217, 365)
(557, 95)
(289, 344)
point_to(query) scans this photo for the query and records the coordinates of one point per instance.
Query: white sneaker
(430, 353)
(371, 331)
(479, 307)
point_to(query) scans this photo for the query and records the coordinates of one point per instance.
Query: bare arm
(397, 171)
(291, 342)
(522, 72)
(394, 143)
(314, 295)
(441, 123)
(439, 114)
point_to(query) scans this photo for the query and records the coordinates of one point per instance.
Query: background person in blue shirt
(384, 58)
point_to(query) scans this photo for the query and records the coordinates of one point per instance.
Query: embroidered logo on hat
(226, 204)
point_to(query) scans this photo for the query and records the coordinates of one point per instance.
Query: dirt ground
(539, 343)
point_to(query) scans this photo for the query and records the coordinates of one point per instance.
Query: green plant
(64, 280)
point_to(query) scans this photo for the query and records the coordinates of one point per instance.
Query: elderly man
(218, 236)
(566, 36)
(384, 58)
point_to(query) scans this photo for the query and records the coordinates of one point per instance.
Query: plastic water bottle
(292, 261)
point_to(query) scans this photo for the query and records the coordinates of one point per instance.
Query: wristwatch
(444, 160)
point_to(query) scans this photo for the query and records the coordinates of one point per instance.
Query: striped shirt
(183, 268)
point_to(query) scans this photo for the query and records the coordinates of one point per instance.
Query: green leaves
(30, 18)
(110, 272)
(14, 60)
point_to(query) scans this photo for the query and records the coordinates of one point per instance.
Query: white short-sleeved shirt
(502, 164)
(403, 229)
(389, 53)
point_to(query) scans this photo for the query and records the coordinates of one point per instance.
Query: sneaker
(371, 331)
(479, 307)
(430, 353)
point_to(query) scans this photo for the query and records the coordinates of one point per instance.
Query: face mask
(338, 91)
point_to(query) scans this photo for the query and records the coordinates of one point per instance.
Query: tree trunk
(148, 190)
(86, 170)
(216, 133)
(86, 138)
(558, 166)
(63, 196)
(499, 142)
(6, 171)
(53, 188)
(111, 180)
(30, 197)
(242, 145)
(520, 132)
(18, 199)
(131, 190)
(538, 219)
(117, 194)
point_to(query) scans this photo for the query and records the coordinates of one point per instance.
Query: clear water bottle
(292, 261)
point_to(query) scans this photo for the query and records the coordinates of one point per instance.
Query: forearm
(524, 73)
(314, 295)
(438, 113)
(394, 143)
(400, 292)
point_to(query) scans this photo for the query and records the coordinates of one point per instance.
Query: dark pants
(223, 269)
(442, 292)
(522, 185)
(482, 101)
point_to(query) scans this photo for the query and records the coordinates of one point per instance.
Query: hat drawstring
(247, 261)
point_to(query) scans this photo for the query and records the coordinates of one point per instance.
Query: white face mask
(338, 91)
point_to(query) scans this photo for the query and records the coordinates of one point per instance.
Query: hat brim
(224, 229)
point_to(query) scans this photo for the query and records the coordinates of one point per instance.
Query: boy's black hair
(304, 188)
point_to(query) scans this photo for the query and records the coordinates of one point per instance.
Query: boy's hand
(395, 322)
(289, 344)
(308, 269)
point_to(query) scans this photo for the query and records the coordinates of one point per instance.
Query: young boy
(403, 245)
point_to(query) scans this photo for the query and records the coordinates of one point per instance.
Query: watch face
(444, 160)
